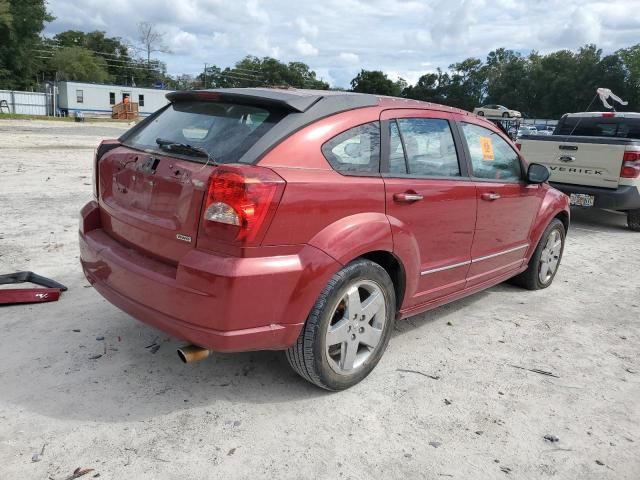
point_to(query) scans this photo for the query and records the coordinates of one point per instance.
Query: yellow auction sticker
(487, 148)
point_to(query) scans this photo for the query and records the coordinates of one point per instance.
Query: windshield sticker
(487, 148)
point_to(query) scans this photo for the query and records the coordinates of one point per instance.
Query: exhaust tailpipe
(192, 353)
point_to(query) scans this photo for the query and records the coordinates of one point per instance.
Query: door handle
(407, 197)
(490, 197)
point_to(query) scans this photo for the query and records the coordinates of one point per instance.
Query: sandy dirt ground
(131, 413)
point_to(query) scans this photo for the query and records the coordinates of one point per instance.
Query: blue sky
(336, 38)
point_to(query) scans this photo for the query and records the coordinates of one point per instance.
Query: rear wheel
(633, 220)
(348, 329)
(545, 261)
(505, 115)
(481, 113)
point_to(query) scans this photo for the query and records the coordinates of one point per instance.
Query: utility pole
(205, 75)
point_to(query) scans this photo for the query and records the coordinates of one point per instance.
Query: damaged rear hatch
(151, 187)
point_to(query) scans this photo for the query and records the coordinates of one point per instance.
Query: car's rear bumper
(625, 197)
(222, 303)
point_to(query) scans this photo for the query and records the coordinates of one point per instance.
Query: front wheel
(633, 220)
(348, 328)
(545, 261)
(505, 115)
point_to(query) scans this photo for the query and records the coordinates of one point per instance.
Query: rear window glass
(600, 127)
(226, 131)
(355, 151)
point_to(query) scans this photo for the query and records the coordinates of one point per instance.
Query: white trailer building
(94, 99)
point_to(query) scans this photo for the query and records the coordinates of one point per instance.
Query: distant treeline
(538, 85)
(543, 86)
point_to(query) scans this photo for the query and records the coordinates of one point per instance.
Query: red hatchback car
(309, 221)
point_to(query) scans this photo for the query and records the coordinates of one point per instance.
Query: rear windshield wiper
(171, 146)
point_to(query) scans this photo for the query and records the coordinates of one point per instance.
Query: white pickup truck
(594, 157)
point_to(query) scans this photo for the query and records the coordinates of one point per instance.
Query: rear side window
(422, 147)
(355, 151)
(599, 127)
(226, 131)
(491, 156)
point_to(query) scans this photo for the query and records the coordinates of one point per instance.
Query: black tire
(530, 278)
(309, 356)
(633, 220)
(505, 115)
(481, 113)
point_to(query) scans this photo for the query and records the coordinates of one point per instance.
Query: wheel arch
(394, 267)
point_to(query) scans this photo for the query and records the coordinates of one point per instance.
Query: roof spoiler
(294, 102)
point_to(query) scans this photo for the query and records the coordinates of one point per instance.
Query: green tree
(21, 22)
(630, 59)
(376, 82)
(259, 72)
(121, 66)
(78, 63)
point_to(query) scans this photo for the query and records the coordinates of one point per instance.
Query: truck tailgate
(581, 161)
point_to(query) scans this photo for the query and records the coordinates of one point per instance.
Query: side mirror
(537, 173)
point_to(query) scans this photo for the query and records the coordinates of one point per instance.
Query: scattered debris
(11, 296)
(435, 444)
(76, 330)
(432, 377)
(551, 438)
(447, 401)
(95, 357)
(99, 339)
(37, 456)
(479, 432)
(630, 370)
(506, 470)
(500, 393)
(79, 472)
(535, 370)
(450, 324)
(599, 462)
(154, 348)
(231, 452)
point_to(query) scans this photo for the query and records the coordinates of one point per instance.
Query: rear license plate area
(582, 200)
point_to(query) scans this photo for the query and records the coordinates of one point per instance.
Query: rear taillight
(630, 164)
(241, 200)
(519, 146)
(608, 115)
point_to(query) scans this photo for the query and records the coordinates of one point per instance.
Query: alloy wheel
(550, 257)
(356, 327)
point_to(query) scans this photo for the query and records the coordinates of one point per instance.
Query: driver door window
(492, 158)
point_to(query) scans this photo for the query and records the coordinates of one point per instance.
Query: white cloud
(306, 28)
(304, 48)
(348, 57)
(254, 11)
(339, 37)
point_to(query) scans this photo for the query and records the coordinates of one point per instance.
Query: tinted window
(79, 96)
(599, 127)
(491, 156)
(429, 147)
(141, 100)
(112, 98)
(224, 130)
(357, 150)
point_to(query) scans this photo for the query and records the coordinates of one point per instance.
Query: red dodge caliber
(309, 221)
